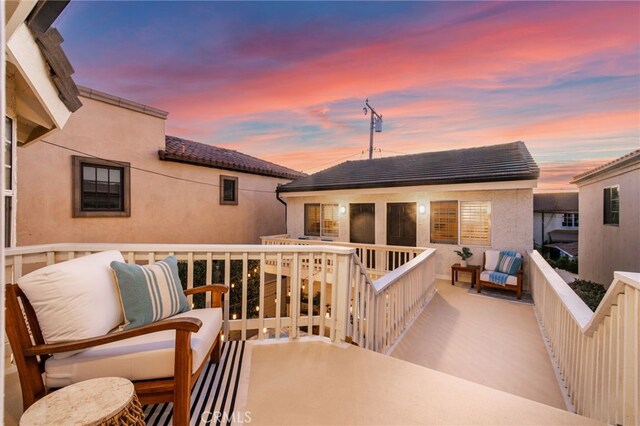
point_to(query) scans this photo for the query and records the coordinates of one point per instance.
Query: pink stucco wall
(163, 210)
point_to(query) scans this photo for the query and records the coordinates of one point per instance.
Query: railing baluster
(278, 294)
(245, 284)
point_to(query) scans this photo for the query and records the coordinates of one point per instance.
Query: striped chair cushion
(149, 293)
(509, 263)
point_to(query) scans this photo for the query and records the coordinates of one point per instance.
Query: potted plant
(464, 254)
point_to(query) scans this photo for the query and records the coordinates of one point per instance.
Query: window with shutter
(444, 222)
(330, 221)
(475, 223)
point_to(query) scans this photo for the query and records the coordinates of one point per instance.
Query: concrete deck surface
(496, 343)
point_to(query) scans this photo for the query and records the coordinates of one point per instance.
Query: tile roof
(555, 202)
(631, 157)
(190, 152)
(504, 162)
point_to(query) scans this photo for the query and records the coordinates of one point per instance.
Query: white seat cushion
(512, 280)
(76, 299)
(150, 356)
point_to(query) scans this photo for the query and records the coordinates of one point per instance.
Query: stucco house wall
(511, 217)
(163, 210)
(552, 221)
(608, 248)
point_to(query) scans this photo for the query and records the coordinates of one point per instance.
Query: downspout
(285, 208)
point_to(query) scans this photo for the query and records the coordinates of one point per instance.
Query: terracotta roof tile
(186, 151)
(632, 156)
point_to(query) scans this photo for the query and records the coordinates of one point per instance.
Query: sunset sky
(286, 82)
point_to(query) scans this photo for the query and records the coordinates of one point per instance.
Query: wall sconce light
(422, 209)
(343, 209)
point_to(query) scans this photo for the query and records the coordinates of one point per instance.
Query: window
(101, 188)
(612, 205)
(321, 220)
(475, 223)
(8, 154)
(8, 184)
(464, 223)
(570, 220)
(444, 222)
(312, 220)
(229, 190)
(330, 221)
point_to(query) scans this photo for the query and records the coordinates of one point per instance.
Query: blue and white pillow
(149, 293)
(509, 263)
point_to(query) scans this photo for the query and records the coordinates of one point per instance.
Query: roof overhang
(476, 186)
(45, 95)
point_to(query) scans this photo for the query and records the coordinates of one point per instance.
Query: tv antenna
(376, 124)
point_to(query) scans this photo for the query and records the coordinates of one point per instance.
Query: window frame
(458, 241)
(321, 227)
(78, 163)
(572, 223)
(10, 194)
(607, 219)
(233, 179)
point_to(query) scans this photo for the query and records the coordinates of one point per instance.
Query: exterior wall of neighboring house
(162, 209)
(552, 222)
(607, 248)
(511, 216)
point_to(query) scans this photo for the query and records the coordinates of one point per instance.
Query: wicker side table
(104, 401)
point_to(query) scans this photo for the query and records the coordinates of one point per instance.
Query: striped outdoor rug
(215, 395)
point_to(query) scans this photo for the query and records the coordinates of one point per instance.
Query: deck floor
(496, 343)
(318, 383)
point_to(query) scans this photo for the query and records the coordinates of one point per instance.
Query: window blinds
(475, 223)
(444, 222)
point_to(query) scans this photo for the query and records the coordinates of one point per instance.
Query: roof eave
(395, 184)
(165, 156)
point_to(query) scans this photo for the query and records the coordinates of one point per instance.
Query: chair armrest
(189, 325)
(216, 293)
(218, 288)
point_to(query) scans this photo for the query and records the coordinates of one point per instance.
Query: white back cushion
(76, 299)
(491, 259)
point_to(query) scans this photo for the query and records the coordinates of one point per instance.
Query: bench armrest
(188, 325)
(216, 293)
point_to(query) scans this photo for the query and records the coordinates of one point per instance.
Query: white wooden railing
(378, 259)
(383, 309)
(597, 353)
(348, 305)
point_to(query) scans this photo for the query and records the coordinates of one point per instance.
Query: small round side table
(104, 401)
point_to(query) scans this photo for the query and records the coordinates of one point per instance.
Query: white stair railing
(597, 353)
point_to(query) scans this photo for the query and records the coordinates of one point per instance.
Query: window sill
(84, 214)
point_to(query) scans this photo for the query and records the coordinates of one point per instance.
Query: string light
(234, 316)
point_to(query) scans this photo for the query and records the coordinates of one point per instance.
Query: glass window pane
(229, 190)
(114, 175)
(8, 153)
(88, 173)
(312, 219)
(7, 221)
(8, 129)
(102, 174)
(7, 177)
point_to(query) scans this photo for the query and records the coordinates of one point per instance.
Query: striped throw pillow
(509, 264)
(149, 293)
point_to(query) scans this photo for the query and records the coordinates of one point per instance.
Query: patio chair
(499, 270)
(163, 359)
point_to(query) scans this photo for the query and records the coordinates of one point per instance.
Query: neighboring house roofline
(97, 95)
(494, 163)
(624, 161)
(200, 154)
